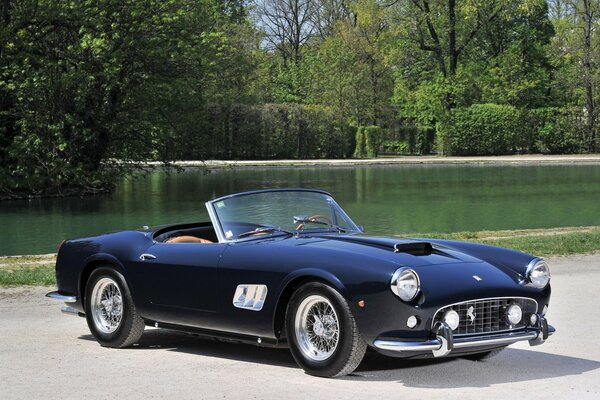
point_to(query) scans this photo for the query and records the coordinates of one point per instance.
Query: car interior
(202, 233)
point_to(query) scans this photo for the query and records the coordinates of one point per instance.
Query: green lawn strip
(555, 245)
(38, 275)
(549, 242)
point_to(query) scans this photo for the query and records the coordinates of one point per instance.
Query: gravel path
(44, 354)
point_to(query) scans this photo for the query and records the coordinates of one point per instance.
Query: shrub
(485, 129)
(368, 141)
(373, 139)
(360, 148)
(555, 130)
(396, 146)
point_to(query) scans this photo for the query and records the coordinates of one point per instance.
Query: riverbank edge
(533, 159)
(38, 270)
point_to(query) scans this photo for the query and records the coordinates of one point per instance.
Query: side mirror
(361, 228)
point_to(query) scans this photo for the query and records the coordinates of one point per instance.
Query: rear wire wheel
(322, 332)
(109, 309)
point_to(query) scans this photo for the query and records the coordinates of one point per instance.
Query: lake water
(386, 200)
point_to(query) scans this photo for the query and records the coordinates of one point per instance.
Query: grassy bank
(541, 242)
(27, 270)
(39, 270)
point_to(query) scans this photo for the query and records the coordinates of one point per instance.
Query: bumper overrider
(445, 342)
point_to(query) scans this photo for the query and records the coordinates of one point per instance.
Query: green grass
(540, 242)
(556, 245)
(27, 270)
(39, 270)
(41, 275)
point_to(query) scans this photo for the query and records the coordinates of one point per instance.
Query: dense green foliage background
(90, 88)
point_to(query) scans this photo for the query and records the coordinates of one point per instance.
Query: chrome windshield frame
(218, 226)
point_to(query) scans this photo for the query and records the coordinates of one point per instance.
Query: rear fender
(94, 261)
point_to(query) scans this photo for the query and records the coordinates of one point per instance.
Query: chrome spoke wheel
(317, 328)
(106, 305)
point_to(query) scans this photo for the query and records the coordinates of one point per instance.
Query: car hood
(441, 264)
(406, 252)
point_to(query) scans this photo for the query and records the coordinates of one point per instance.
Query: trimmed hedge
(495, 129)
(369, 140)
(268, 131)
(484, 129)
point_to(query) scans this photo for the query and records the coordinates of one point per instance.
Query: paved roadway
(47, 355)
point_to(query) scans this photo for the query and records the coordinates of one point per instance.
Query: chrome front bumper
(445, 342)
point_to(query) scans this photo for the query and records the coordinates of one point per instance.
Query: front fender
(315, 273)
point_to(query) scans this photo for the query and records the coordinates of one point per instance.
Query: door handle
(147, 256)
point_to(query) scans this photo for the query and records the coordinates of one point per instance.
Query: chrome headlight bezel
(398, 283)
(538, 273)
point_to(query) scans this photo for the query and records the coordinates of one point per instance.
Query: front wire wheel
(322, 332)
(317, 328)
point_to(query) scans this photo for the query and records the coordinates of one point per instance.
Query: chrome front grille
(487, 315)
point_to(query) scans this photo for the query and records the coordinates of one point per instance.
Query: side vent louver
(250, 297)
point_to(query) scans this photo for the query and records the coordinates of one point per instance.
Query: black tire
(483, 356)
(350, 348)
(130, 327)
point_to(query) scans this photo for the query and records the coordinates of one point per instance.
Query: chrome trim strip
(484, 299)
(216, 223)
(398, 345)
(436, 344)
(508, 339)
(71, 311)
(61, 297)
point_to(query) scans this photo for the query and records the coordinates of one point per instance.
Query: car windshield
(255, 214)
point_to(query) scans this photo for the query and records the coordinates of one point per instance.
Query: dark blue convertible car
(288, 267)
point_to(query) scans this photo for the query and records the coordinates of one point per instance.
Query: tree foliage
(89, 88)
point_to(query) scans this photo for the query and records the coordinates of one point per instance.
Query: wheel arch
(293, 282)
(92, 263)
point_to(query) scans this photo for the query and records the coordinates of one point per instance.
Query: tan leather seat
(187, 239)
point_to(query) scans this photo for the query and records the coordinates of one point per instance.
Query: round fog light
(412, 321)
(514, 314)
(452, 319)
(533, 319)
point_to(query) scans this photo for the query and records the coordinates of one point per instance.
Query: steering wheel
(316, 217)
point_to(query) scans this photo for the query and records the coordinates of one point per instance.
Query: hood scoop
(416, 248)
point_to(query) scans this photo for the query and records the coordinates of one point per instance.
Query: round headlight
(452, 319)
(514, 314)
(538, 273)
(405, 283)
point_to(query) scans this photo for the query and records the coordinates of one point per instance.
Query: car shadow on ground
(155, 339)
(511, 365)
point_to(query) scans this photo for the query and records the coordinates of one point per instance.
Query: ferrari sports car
(288, 267)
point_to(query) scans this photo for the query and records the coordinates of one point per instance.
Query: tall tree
(288, 25)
